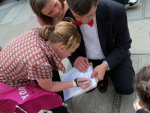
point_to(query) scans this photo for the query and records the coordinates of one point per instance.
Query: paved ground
(16, 17)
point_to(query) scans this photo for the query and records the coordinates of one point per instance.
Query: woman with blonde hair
(32, 56)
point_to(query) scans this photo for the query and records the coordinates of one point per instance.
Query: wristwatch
(75, 83)
(107, 65)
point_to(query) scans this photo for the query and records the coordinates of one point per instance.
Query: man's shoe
(131, 4)
(102, 85)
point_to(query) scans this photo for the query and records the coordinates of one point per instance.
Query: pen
(82, 81)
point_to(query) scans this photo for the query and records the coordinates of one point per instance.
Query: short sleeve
(40, 72)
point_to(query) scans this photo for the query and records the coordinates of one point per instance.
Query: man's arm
(122, 42)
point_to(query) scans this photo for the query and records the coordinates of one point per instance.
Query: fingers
(83, 82)
(136, 105)
(86, 84)
(93, 74)
(81, 64)
(99, 72)
(87, 62)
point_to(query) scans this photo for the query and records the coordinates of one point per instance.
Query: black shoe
(61, 109)
(102, 85)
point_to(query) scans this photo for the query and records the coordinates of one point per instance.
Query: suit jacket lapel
(102, 26)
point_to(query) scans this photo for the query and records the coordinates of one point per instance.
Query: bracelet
(75, 83)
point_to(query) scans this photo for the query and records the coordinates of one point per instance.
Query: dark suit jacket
(113, 34)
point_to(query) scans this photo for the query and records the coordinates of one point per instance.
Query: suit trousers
(121, 76)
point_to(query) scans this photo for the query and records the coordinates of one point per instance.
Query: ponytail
(46, 31)
(64, 32)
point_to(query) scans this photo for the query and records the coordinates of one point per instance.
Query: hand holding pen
(83, 82)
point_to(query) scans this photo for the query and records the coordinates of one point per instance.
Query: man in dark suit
(105, 42)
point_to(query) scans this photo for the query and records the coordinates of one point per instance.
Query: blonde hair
(142, 86)
(64, 32)
(37, 6)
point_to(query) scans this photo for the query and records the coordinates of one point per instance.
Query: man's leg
(122, 78)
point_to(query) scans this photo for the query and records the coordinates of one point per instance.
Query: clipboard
(75, 91)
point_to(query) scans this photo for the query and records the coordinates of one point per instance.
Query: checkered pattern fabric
(27, 58)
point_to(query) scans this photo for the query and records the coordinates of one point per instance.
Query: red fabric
(79, 23)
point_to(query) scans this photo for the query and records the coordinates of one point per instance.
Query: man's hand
(138, 105)
(81, 64)
(99, 71)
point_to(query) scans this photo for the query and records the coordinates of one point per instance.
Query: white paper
(73, 74)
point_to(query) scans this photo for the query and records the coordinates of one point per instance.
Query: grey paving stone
(24, 15)
(12, 14)
(93, 102)
(12, 4)
(147, 8)
(3, 13)
(140, 34)
(7, 32)
(135, 61)
(30, 24)
(4, 2)
(127, 103)
(33, 14)
(142, 1)
(145, 61)
(135, 13)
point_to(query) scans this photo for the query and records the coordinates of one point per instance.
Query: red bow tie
(80, 23)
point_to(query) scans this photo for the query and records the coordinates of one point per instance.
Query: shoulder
(111, 11)
(110, 6)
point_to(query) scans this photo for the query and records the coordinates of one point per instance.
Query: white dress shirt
(91, 41)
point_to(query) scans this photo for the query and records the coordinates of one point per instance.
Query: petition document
(73, 74)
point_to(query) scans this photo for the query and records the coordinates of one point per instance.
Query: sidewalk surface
(16, 17)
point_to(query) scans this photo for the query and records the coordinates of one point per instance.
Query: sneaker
(131, 4)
